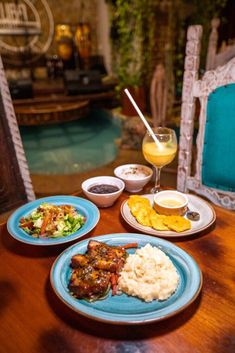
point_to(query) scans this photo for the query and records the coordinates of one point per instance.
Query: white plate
(207, 217)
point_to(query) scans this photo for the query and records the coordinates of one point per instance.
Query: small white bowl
(103, 200)
(170, 202)
(135, 176)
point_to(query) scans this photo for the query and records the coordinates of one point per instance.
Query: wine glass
(159, 154)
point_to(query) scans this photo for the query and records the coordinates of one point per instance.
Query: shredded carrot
(44, 224)
(130, 245)
(114, 279)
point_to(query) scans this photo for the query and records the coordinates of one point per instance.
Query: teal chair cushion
(218, 160)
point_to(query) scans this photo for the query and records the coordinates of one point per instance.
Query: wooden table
(33, 319)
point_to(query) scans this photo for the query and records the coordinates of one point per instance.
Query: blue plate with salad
(53, 220)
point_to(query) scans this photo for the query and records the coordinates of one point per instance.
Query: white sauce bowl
(163, 202)
(135, 176)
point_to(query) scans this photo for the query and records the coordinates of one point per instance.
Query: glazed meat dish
(89, 283)
(101, 257)
(96, 271)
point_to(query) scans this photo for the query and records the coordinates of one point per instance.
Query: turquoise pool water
(72, 147)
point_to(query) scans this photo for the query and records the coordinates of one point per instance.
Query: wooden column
(15, 182)
(191, 67)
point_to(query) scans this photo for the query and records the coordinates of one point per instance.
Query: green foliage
(203, 12)
(133, 39)
(198, 12)
(135, 33)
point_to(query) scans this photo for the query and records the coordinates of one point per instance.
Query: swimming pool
(72, 147)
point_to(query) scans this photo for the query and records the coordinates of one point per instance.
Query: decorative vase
(82, 40)
(64, 39)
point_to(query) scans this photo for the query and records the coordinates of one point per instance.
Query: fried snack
(177, 223)
(134, 199)
(157, 221)
(142, 210)
(143, 216)
(135, 208)
(136, 203)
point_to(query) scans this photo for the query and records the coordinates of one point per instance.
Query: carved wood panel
(194, 35)
(192, 87)
(15, 183)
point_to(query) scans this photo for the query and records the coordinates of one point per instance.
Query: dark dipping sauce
(103, 189)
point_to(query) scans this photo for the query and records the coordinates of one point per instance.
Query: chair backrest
(214, 56)
(214, 175)
(15, 182)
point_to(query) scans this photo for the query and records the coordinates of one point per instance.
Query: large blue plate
(85, 207)
(124, 309)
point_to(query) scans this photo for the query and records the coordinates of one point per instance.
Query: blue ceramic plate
(85, 207)
(123, 309)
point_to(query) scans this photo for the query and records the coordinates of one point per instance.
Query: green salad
(52, 221)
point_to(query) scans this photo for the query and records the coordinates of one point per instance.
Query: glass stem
(157, 181)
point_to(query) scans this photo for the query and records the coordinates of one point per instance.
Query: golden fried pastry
(136, 203)
(143, 216)
(157, 221)
(142, 210)
(177, 223)
(136, 208)
(133, 199)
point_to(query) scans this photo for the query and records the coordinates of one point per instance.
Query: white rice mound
(148, 274)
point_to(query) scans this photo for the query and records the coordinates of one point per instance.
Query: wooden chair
(15, 182)
(214, 175)
(214, 56)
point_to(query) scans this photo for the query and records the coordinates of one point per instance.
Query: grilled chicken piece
(95, 247)
(105, 257)
(79, 260)
(93, 244)
(89, 283)
(94, 271)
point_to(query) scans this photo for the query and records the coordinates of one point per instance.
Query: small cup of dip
(103, 190)
(135, 176)
(170, 202)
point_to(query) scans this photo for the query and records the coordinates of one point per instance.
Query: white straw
(143, 118)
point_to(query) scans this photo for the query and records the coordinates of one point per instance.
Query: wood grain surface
(34, 320)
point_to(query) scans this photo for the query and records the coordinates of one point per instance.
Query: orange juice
(159, 157)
